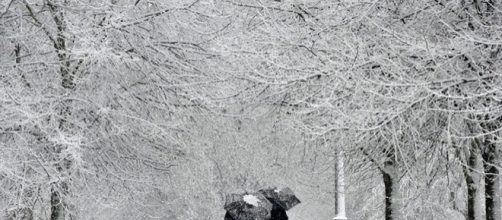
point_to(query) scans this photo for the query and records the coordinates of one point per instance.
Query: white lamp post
(339, 188)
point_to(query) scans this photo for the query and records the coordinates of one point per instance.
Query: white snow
(277, 190)
(252, 200)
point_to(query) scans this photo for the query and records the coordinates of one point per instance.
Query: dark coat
(228, 217)
(278, 213)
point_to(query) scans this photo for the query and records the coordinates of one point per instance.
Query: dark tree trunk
(57, 209)
(492, 191)
(388, 184)
(472, 180)
(471, 197)
(389, 172)
(60, 189)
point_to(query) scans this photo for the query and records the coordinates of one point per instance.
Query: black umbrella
(285, 197)
(248, 206)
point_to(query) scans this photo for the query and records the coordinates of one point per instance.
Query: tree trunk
(492, 185)
(387, 181)
(57, 208)
(391, 184)
(472, 180)
(60, 189)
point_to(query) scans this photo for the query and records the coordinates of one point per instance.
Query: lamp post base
(340, 218)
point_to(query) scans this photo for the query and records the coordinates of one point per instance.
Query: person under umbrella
(247, 207)
(266, 204)
(282, 200)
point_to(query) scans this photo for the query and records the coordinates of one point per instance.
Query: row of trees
(409, 87)
(96, 97)
(156, 109)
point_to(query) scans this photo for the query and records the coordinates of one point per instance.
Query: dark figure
(278, 213)
(228, 217)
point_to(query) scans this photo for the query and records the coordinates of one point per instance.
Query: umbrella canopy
(285, 197)
(248, 206)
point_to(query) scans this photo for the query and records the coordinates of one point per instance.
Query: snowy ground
(311, 210)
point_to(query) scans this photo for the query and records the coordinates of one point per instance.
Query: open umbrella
(248, 206)
(285, 197)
